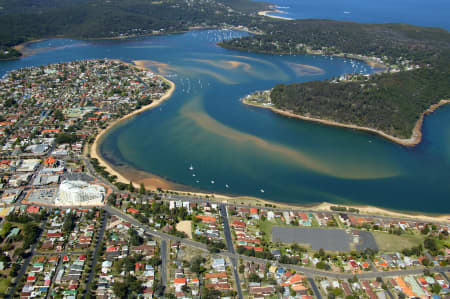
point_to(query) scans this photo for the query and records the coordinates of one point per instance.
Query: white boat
(262, 190)
(197, 181)
(226, 186)
(191, 167)
(212, 182)
(193, 174)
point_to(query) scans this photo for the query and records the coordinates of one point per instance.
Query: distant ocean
(431, 13)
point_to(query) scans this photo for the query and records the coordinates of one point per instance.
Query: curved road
(306, 270)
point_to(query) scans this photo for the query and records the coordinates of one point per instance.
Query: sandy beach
(265, 13)
(152, 182)
(94, 150)
(415, 138)
(22, 47)
(363, 209)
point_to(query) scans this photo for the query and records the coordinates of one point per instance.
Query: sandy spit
(265, 13)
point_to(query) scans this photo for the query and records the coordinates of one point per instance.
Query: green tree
(253, 277)
(196, 264)
(142, 189)
(436, 288)
(130, 187)
(58, 115)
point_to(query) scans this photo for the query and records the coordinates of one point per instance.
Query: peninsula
(414, 79)
(273, 9)
(357, 104)
(70, 227)
(74, 227)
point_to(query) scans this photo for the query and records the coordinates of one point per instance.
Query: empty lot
(328, 239)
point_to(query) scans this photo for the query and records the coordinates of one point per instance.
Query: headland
(416, 135)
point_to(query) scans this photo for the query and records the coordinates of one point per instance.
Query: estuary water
(241, 150)
(432, 13)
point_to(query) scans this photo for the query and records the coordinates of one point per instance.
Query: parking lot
(366, 240)
(328, 239)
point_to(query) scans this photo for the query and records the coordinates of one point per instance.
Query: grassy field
(4, 284)
(266, 227)
(390, 243)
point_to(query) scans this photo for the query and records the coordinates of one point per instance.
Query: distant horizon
(420, 13)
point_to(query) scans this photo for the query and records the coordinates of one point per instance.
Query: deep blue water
(431, 13)
(248, 148)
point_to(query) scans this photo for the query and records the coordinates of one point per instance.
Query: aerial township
(69, 229)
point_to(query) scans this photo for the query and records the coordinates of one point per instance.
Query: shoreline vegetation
(94, 149)
(154, 182)
(413, 81)
(416, 134)
(20, 47)
(23, 21)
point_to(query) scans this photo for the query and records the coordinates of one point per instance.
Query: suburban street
(306, 270)
(101, 233)
(229, 241)
(163, 253)
(312, 213)
(185, 197)
(27, 261)
(230, 253)
(314, 288)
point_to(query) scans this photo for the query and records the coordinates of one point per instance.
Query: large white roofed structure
(80, 193)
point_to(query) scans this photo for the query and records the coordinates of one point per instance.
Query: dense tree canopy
(24, 20)
(388, 102)
(419, 44)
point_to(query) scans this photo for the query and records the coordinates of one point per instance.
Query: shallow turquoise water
(248, 148)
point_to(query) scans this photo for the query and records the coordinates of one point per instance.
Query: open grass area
(266, 227)
(390, 243)
(4, 284)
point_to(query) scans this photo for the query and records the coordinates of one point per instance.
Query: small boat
(193, 174)
(191, 167)
(262, 190)
(347, 12)
(197, 181)
(212, 182)
(226, 186)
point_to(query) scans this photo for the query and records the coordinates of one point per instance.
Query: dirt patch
(186, 227)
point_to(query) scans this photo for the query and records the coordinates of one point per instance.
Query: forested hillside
(391, 103)
(420, 44)
(23, 20)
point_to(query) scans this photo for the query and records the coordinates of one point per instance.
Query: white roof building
(79, 193)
